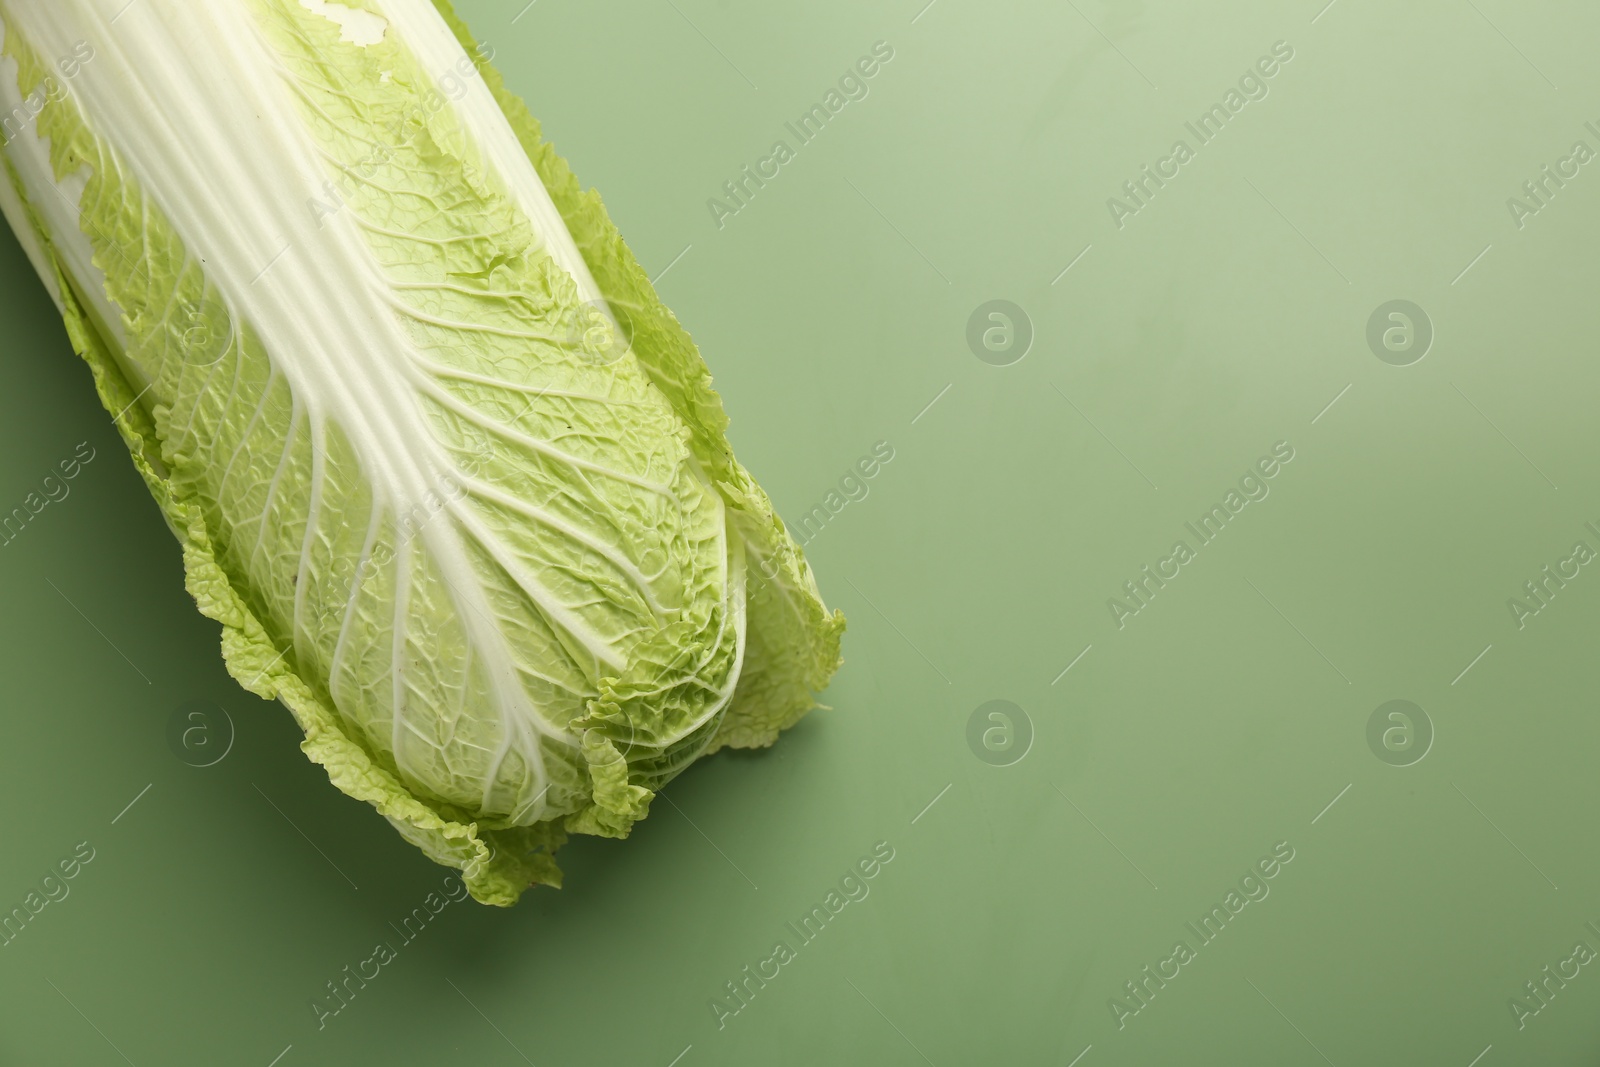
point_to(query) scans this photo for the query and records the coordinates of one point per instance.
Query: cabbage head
(451, 478)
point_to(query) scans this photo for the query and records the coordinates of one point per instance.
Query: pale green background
(1222, 319)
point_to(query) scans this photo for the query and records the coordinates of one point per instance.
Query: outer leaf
(793, 638)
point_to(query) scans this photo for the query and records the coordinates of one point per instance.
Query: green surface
(1222, 719)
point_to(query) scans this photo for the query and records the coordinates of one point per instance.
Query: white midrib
(55, 203)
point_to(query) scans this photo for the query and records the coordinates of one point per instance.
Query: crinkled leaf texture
(452, 479)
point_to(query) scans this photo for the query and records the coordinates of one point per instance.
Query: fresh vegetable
(451, 478)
